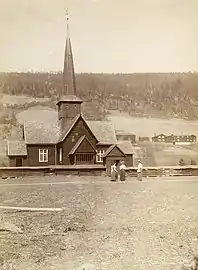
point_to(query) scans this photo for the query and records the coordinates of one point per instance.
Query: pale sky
(107, 35)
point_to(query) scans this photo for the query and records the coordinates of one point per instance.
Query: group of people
(118, 171)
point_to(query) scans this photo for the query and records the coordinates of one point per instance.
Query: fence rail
(96, 170)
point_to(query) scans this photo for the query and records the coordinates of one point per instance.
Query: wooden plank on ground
(30, 209)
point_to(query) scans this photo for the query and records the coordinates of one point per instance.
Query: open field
(141, 126)
(162, 154)
(19, 99)
(132, 225)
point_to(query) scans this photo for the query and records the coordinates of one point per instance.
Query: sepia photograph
(98, 135)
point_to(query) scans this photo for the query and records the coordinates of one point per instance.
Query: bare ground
(131, 225)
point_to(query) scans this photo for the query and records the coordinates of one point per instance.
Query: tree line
(151, 95)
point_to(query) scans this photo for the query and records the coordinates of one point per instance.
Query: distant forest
(150, 95)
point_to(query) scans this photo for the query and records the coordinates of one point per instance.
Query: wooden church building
(68, 140)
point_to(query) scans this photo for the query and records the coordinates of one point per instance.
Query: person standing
(122, 171)
(114, 171)
(139, 170)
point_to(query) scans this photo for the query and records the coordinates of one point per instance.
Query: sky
(108, 36)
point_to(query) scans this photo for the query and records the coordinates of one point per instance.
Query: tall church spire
(69, 80)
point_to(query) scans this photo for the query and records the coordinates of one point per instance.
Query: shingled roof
(38, 132)
(16, 148)
(49, 132)
(104, 131)
(126, 147)
(108, 151)
(70, 98)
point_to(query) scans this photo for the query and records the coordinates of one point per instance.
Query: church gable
(83, 145)
(76, 130)
(114, 151)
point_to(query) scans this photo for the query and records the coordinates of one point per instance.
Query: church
(70, 139)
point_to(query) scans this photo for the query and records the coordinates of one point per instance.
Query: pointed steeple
(69, 80)
(69, 105)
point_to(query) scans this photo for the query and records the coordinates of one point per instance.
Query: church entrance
(82, 152)
(82, 158)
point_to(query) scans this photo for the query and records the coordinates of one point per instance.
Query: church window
(43, 155)
(99, 156)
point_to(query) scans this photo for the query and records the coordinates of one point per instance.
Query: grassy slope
(157, 95)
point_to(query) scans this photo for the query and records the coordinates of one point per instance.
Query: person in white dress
(139, 170)
(114, 171)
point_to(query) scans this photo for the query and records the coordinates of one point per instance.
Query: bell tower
(69, 105)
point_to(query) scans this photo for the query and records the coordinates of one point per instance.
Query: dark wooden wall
(77, 131)
(33, 155)
(12, 161)
(129, 160)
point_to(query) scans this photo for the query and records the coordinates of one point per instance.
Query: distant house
(184, 139)
(175, 139)
(159, 138)
(123, 136)
(192, 138)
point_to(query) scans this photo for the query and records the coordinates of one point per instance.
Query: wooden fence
(56, 170)
(166, 171)
(96, 170)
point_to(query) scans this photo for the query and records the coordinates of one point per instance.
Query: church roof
(104, 131)
(126, 147)
(16, 148)
(39, 132)
(108, 151)
(70, 98)
(49, 132)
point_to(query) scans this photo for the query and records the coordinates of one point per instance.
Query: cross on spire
(67, 18)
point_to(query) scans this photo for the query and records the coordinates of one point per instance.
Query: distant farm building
(185, 139)
(123, 136)
(175, 139)
(159, 138)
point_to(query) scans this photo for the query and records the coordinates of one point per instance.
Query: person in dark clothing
(122, 171)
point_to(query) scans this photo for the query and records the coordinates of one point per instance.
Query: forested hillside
(154, 95)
